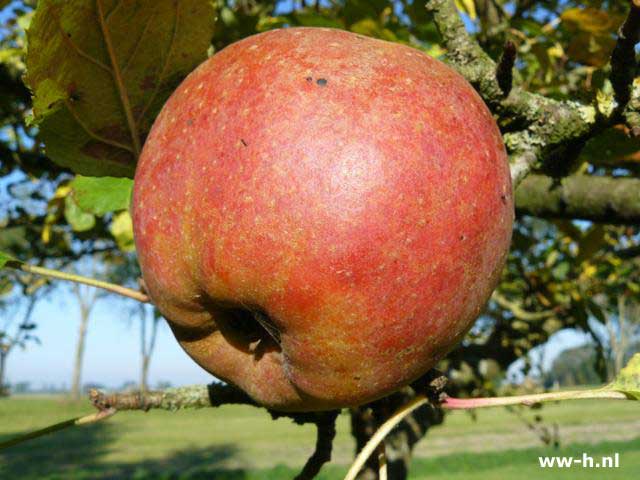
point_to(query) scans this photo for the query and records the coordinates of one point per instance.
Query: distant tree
(86, 298)
(574, 366)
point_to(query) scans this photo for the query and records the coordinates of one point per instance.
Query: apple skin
(351, 195)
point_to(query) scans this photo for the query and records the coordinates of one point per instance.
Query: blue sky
(112, 353)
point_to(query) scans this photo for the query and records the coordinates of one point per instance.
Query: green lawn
(238, 442)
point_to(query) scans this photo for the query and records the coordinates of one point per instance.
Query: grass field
(243, 443)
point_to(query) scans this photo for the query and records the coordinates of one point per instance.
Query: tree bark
(586, 197)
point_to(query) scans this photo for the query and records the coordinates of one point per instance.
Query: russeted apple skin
(354, 192)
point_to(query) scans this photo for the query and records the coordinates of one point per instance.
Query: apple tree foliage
(77, 104)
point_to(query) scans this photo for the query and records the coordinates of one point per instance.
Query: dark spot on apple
(309, 79)
(190, 122)
(462, 237)
(322, 82)
(503, 197)
(356, 377)
(243, 142)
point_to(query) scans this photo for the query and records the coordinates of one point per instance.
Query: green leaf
(100, 195)
(6, 258)
(561, 270)
(100, 71)
(317, 20)
(628, 380)
(371, 28)
(79, 220)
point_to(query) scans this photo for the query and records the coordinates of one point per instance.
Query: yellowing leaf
(62, 191)
(556, 51)
(592, 29)
(55, 209)
(590, 20)
(589, 271)
(628, 380)
(468, 7)
(122, 230)
(79, 220)
(101, 70)
(371, 28)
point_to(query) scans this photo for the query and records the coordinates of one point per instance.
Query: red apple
(321, 216)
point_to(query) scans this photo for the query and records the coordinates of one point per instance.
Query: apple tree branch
(548, 131)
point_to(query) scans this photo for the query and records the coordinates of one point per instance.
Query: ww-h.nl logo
(586, 461)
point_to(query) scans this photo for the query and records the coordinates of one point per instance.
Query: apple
(321, 216)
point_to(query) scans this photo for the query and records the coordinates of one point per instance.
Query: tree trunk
(399, 444)
(623, 328)
(4, 390)
(146, 347)
(144, 373)
(144, 358)
(79, 356)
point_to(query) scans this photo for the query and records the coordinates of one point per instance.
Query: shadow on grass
(76, 454)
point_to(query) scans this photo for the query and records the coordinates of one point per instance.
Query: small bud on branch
(504, 71)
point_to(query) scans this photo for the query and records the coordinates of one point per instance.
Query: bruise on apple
(321, 216)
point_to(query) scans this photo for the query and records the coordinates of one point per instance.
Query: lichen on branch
(550, 131)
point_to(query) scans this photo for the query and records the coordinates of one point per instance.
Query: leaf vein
(93, 134)
(117, 76)
(127, 64)
(115, 8)
(68, 40)
(165, 65)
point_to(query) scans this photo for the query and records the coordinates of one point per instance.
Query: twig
(326, 432)
(215, 395)
(623, 58)
(110, 287)
(382, 432)
(449, 403)
(521, 164)
(552, 132)
(194, 396)
(382, 462)
(93, 418)
(547, 124)
(520, 312)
